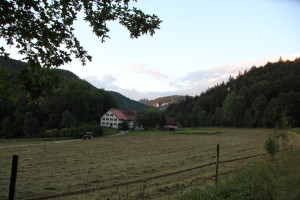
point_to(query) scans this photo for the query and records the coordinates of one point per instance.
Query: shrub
(51, 133)
(271, 146)
(69, 132)
(94, 128)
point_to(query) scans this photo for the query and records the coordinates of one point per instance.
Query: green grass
(182, 131)
(198, 131)
(148, 132)
(277, 179)
(110, 131)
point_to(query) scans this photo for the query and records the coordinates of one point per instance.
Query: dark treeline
(66, 107)
(266, 96)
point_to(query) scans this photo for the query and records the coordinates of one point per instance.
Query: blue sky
(200, 44)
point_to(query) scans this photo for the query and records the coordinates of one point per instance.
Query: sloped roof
(124, 114)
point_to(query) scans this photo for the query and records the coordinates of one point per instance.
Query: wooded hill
(64, 101)
(266, 96)
(128, 104)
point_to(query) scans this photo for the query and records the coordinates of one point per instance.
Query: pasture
(54, 167)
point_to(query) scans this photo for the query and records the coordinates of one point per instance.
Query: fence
(217, 163)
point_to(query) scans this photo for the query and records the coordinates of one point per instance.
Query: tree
(150, 118)
(43, 30)
(233, 109)
(271, 146)
(68, 120)
(31, 125)
(124, 126)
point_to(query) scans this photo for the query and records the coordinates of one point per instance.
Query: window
(115, 120)
(103, 118)
(107, 119)
(111, 114)
(115, 124)
(111, 119)
(107, 114)
(103, 123)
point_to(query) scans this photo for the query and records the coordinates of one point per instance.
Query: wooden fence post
(217, 164)
(13, 177)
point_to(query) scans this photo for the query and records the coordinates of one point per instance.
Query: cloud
(141, 69)
(195, 82)
(109, 78)
(192, 83)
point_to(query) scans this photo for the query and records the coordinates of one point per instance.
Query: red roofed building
(114, 117)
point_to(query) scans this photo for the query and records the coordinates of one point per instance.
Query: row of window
(107, 123)
(110, 115)
(109, 119)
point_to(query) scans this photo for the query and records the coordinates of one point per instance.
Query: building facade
(114, 117)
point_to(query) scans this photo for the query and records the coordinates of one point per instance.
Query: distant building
(171, 125)
(114, 117)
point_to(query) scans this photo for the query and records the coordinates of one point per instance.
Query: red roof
(124, 114)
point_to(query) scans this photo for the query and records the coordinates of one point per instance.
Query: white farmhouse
(114, 117)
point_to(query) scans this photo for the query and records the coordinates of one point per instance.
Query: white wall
(110, 120)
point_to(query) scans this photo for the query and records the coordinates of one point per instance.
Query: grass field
(54, 167)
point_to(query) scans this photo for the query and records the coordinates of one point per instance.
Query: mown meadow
(54, 167)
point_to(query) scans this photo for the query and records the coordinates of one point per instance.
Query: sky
(199, 44)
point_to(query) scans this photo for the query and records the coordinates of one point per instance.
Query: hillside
(128, 104)
(15, 66)
(163, 102)
(266, 96)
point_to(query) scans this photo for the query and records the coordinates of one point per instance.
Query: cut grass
(50, 167)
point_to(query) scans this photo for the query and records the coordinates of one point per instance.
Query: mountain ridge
(163, 102)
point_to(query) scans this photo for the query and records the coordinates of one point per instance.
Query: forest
(66, 105)
(265, 96)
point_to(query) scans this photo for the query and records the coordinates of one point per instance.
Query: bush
(94, 128)
(69, 132)
(271, 146)
(51, 133)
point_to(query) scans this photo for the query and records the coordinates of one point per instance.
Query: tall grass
(276, 180)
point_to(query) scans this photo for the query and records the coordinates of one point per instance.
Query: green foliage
(31, 126)
(72, 104)
(233, 109)
(271, 146)
(39, 82)
(124, 126)
(51, 133)
(68, 120)
(69, 132)
(150, 118)
(257, 98)
(91, 127)
(273, 180)
(43, 31)
(5, 87)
